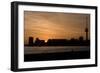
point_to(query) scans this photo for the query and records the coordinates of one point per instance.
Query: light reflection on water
(54, 49)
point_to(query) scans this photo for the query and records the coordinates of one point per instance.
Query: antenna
(86, 29)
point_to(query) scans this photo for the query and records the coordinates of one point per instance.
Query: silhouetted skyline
(58, 42)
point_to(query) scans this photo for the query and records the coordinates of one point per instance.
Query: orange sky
(52, 25)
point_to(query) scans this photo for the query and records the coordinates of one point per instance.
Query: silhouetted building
(57, 42)
(39, 42)
(80, 38)
(73, 39)
(30, 41)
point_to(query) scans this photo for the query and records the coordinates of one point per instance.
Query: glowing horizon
(54, 25)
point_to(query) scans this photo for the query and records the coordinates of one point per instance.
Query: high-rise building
(30, 41)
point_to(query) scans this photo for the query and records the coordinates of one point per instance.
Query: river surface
(53, 49)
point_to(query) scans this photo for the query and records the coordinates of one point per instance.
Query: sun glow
(48, 25)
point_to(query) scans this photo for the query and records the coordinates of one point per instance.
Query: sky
(54, 25)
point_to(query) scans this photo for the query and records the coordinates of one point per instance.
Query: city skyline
(52, 25)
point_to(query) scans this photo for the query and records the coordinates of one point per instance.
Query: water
(53, 49)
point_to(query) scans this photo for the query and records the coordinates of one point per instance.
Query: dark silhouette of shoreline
(58, 42)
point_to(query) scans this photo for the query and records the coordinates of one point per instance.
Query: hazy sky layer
(54, 25)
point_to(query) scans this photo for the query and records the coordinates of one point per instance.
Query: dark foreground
(57, 56)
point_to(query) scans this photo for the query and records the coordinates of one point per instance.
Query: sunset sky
(54, 25)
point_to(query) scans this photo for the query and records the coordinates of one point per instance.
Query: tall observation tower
(86, 29)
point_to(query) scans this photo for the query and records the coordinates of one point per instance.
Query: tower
(86, 29)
